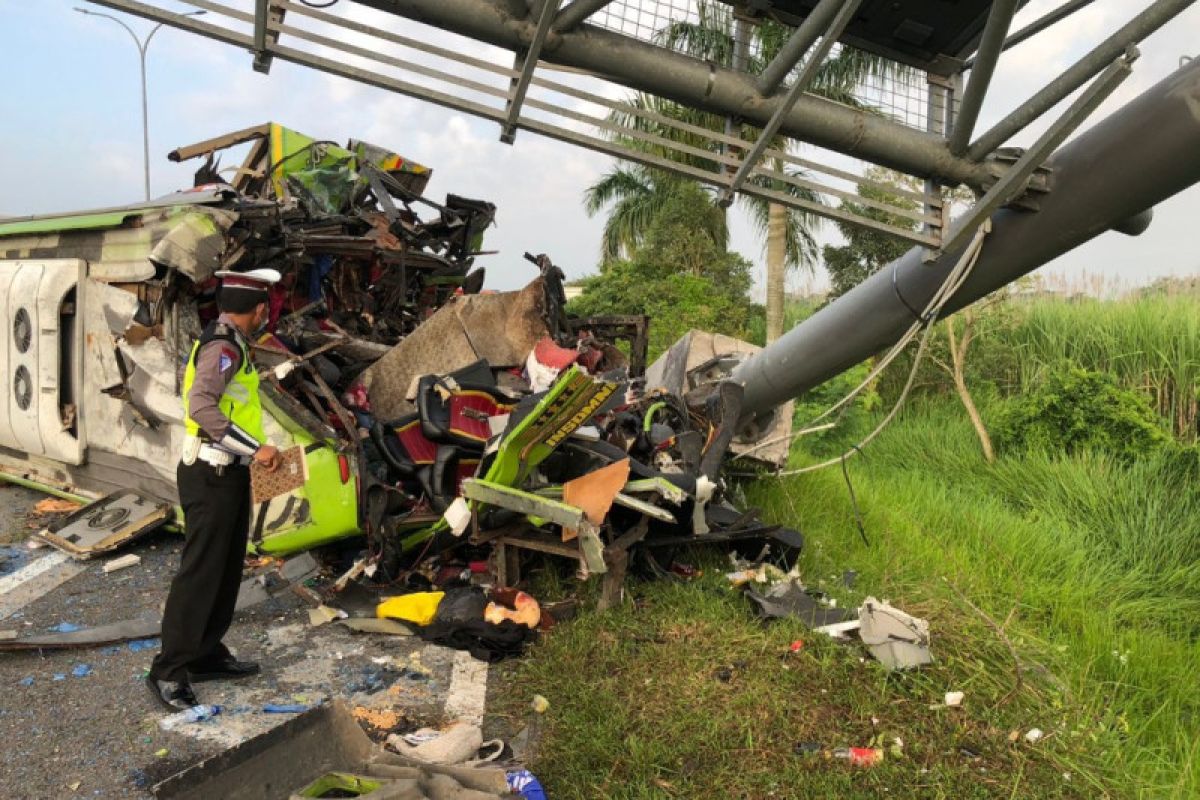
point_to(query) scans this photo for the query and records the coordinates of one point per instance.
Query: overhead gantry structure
(566, 70)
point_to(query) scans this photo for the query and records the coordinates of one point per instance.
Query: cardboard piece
(594, 493)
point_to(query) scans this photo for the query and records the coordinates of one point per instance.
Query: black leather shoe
(228, 670)
(175, 695)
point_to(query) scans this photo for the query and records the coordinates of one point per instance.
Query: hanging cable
(949, 287)
(858, 517)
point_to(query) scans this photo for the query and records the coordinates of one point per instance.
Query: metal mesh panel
(901, 95)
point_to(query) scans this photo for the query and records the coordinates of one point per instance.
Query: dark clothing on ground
(204, 592)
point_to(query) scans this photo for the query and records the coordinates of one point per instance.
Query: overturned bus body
(101, 309)
(423, 405)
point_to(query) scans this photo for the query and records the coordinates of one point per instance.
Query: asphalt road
(97, 734)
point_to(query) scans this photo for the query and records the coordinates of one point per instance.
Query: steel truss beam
(843, 17)
(376, 51)
(646, 67)
(577, 12)
(1151, 19)
(990, 45)
(1037, 26)
(805, 35)
(508, 128)
(1012, 182)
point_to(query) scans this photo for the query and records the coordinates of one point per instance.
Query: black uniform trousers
(200, 605)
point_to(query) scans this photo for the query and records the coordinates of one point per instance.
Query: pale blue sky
(71, 131)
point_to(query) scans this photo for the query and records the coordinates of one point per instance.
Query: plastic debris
(525, 784)
(59, 676)
(138, 645)
(82, 670)
(896, 639)
(324, 614)
(1034, 735)
(284, 708)
(188, 716)
(55, 505)
(454, 744)
(419, 608)
(26, 681)
(954, 699)
(860, 756)
(524, 609)
(66, 627)
(162, 753)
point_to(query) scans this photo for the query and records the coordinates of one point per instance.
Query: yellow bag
(418, 608)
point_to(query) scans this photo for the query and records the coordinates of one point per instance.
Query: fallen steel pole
(1107, 178)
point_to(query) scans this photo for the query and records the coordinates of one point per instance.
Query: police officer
(223, 415)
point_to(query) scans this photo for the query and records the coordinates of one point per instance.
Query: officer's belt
(218, 457)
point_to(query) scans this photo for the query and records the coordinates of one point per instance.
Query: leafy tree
(787, 232)
(680, 279)
(866, 249)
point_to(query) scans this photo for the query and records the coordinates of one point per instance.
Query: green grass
(1063, 593)
(681, 693)
(1093, 565)
(1151, 343)
(1090, 568)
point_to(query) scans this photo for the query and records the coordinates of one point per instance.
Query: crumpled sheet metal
(500, 328)
(694, 348)
(896, 639)
(196, 244)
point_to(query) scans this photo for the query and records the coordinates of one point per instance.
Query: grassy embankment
(1063, 593)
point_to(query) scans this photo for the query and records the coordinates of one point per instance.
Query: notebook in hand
(291, 474)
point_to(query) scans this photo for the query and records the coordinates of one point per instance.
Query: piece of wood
(127, 560)
(291, 474)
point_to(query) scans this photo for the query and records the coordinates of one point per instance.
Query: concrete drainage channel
(79, 722)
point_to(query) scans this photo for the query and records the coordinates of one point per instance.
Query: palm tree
(787, 231)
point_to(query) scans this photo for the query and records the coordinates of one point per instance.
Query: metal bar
(1037, 26)
(1141, 155)
(395, 38)
(666, 143)
(1141, 26)
(644, 66)
(508, 128)
(1012, 182)
(604, 146)
(577, 12)
(938, 102)
(261, 8)
(807, 73)
(990, 45)
(796, 46)
(368, 77)
(720, 137)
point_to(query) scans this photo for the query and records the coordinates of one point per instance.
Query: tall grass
(1151, 343)
(1091, 565)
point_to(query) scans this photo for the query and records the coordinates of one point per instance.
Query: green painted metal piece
(494, 494)
(74, 222)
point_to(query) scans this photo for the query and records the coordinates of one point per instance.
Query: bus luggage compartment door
(40, 363)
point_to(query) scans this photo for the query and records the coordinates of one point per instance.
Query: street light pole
(141, 44)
